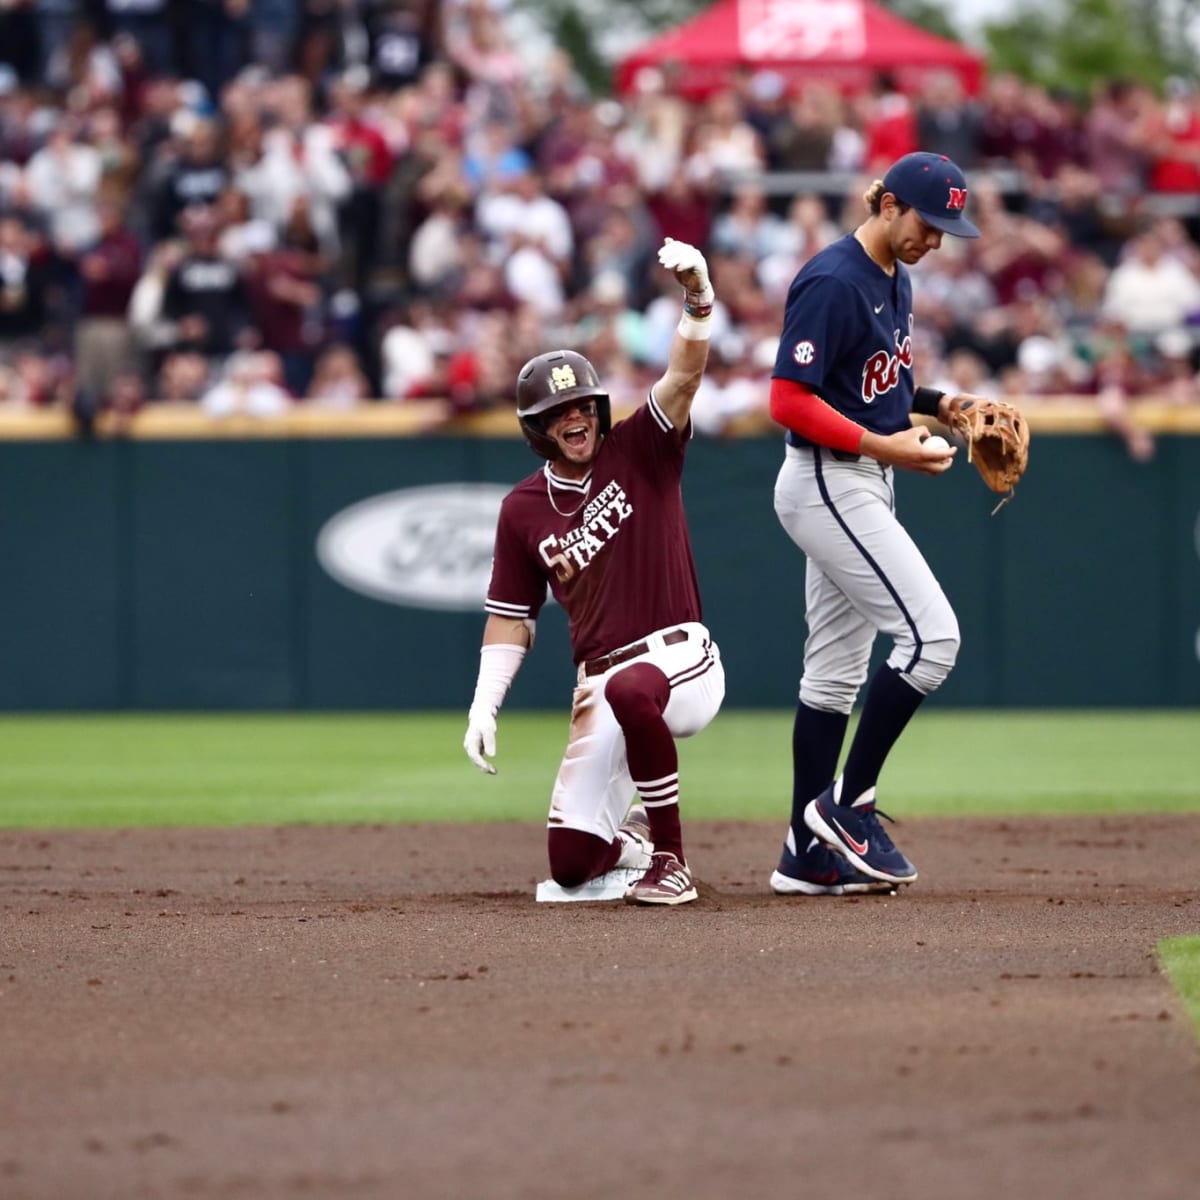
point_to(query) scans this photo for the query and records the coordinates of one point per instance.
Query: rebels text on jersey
(847, 335)
(620, 560)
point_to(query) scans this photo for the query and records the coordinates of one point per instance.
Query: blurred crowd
(255, 204)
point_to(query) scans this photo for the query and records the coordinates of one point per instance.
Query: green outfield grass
(1181, 960)
(130, 770)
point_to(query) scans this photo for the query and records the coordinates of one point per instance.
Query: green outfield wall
(314, 573)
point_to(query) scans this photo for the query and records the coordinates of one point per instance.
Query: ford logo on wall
(426, 547)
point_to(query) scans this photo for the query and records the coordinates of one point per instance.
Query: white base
(610, 886)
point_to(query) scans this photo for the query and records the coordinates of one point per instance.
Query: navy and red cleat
(854, 831)
(818, 871)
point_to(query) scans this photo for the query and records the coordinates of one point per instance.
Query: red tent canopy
(844, 41)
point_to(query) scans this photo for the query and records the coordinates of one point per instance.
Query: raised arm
(676, 390)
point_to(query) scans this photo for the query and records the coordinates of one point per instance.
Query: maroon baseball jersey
(613, 547)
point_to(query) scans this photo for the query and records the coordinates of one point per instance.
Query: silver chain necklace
(574, 511)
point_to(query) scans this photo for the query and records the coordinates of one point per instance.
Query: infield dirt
(384, 1011)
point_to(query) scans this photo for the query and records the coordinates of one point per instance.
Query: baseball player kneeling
(602, 524)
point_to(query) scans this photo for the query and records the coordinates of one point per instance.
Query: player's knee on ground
(936, 661)
(637, 695)
(576, 857)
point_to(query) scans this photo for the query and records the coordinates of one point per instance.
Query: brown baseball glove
(997, 438)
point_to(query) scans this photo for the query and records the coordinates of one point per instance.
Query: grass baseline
(284, 768)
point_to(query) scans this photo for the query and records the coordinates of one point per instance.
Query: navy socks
(890, 703)
(816, 746)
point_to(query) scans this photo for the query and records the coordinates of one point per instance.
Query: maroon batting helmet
(549, 381)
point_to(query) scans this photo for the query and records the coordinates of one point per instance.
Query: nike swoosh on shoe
(858, 847)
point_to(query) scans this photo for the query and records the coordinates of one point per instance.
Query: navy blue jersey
(847, 335)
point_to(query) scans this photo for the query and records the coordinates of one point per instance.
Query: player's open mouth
(576, 436)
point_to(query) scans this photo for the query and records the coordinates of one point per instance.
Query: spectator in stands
(338, 380)
(1079, 292)
(205, 297)
(763, 98)
(23, 286)
(889, 124)
(404, 40)
(684, 205)
(435, 253)
(515, 203)
(146, 23)
(246, 389)
(362, 147)
(152, 333)
(215, 39)
(102, 128)
(653, 132)
(46, 379)
(477, 43)
(286, 298)
(183, 377)
(947, 121)
(1019, 255)
(320, 38)
(724, 141)
(1061, 141)
(195, 175)
(607, 311)
(109, 270)
(748, 227)
(1122, 378)
(595, 179)
(83, 64)
(1076, 206)
(299, 159)
(13, 392)
(1174, 367)
(623, 246)
(732, 387)
(1175, 140)
(273, 28)
(518, 212)
(1119, 137)
(531, 274)
(493, 157)
(1009, 131)
(1150, 291)
(804, 139)
(62, 182)
(478, 283)
(807, 229)
(965, 371)
(242, 233)
(408, 350)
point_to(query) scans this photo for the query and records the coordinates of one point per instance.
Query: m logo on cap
(958, 199)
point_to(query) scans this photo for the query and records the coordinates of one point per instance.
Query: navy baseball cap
(935, 187)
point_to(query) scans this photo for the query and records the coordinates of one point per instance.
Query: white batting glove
(690, 269)
(481, 739)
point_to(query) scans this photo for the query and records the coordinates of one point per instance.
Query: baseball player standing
(843, 388)
(602, 523)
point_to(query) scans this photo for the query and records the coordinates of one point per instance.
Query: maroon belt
(597, 666)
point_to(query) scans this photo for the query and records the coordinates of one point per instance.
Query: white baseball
(936, 442)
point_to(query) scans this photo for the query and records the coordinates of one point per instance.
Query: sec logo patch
(804, 353)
